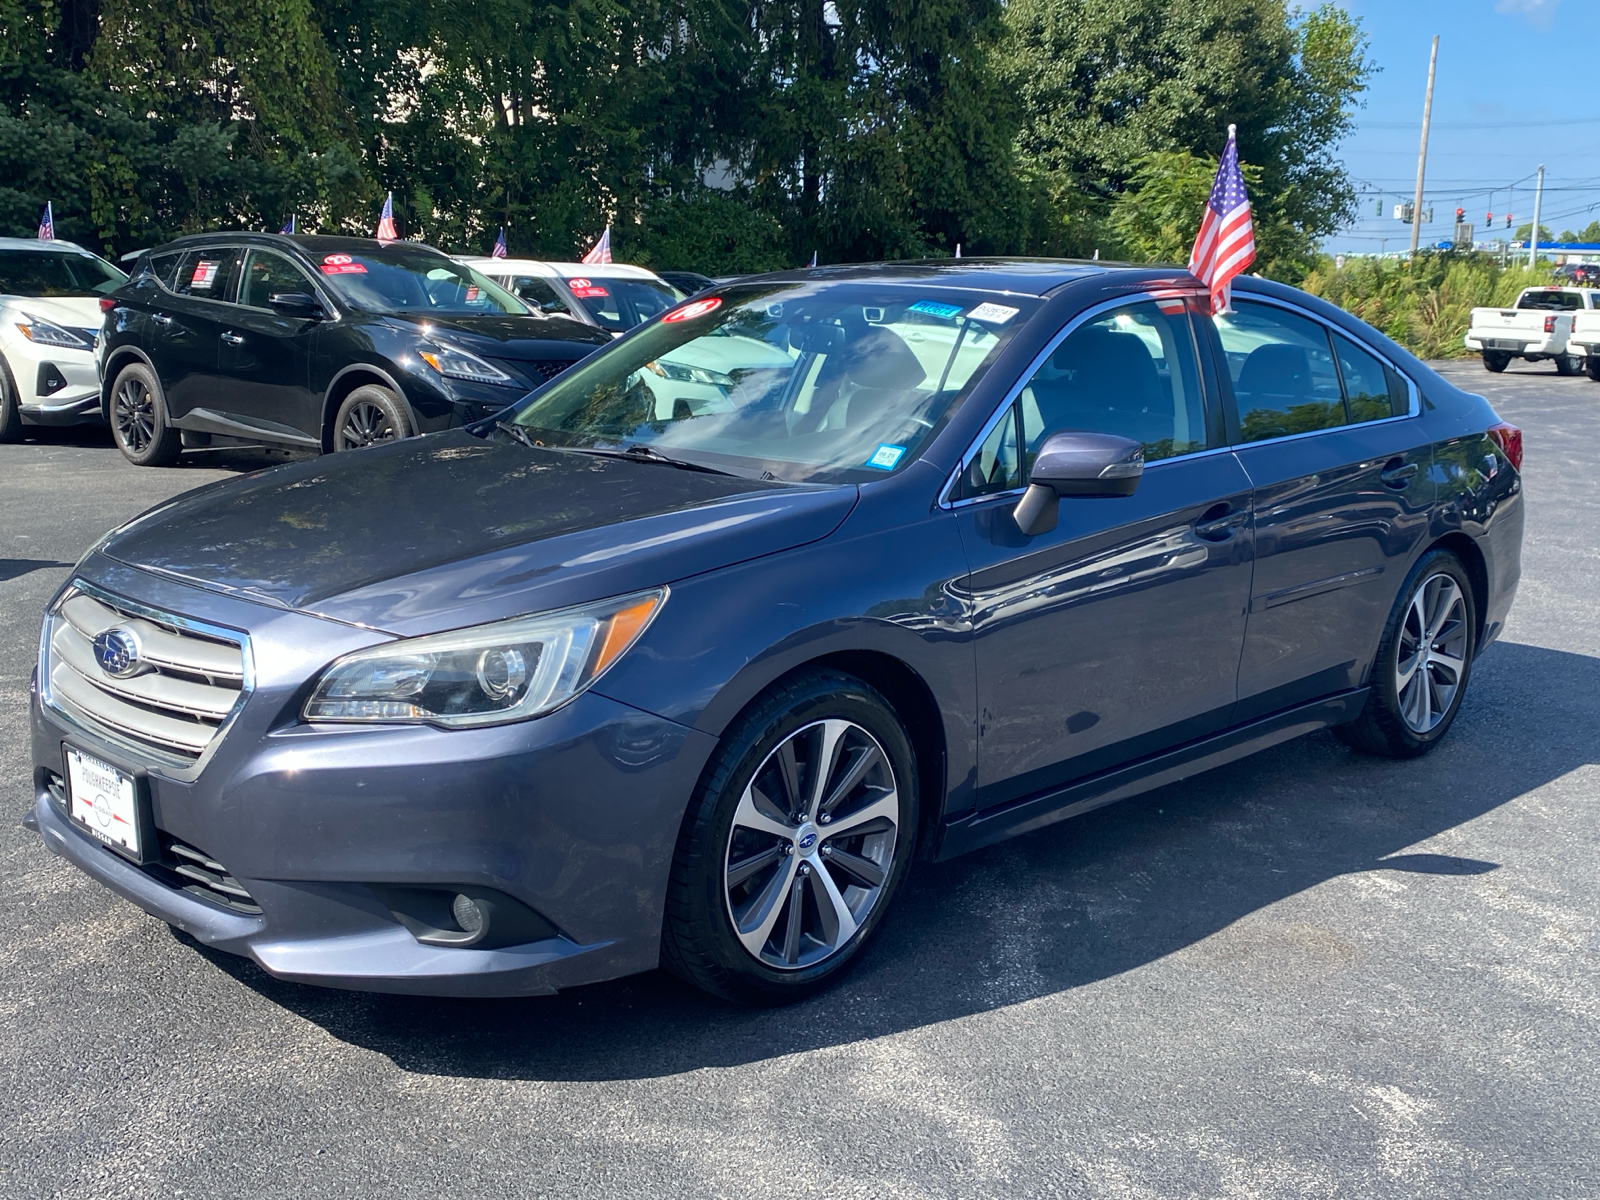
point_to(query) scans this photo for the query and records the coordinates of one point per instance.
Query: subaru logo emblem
(807, 840)
(117, 652)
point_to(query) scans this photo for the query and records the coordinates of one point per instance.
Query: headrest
(881, 359)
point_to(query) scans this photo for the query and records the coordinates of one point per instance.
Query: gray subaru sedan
(687, 657)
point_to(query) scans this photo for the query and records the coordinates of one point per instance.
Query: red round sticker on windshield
(579, 283)
(337, 259)
(698, 308)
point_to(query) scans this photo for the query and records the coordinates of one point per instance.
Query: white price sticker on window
(992, 314)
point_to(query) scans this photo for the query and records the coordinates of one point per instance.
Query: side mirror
(295, 304)
(1077, 463)
(556, 307)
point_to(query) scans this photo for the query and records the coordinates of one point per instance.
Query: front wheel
(1423, 663)
(1569, 364)
(1496, 360)
(369, 415)
(10, 412)
(794, 844)
(139, 419)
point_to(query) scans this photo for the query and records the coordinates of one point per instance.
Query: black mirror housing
(295, 304)
(1076, 462)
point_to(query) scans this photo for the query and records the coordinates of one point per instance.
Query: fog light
(467, 913)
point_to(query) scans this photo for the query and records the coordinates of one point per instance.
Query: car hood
(73, 312)
(452, 530)
(518, 338)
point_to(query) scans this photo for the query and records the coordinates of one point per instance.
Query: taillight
(1549, 322)
(107, 303)
(1509, 439)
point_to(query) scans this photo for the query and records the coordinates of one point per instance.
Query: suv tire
(766, 906)
(369, 415)
(1423, 665)
(139, 419)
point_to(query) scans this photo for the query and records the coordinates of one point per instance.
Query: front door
(1117, 634)
(186, 329)
(1342, 497)
(267, 356)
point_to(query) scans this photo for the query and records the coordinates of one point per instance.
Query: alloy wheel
(366, 425)
(812, 844)
(135, 414)
(1431, 655)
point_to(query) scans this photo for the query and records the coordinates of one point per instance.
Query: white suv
(49, 323)
(614, 296)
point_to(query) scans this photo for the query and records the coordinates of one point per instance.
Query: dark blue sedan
(688, 656)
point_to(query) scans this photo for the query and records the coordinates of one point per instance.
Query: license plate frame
(109, 803)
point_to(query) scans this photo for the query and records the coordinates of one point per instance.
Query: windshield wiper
(521, 434)
(645, 454)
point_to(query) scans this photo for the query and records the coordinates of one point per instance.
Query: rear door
(186, 323)
(1118, 633)
(267, 356)
(1330, 438)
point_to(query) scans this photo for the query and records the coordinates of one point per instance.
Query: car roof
(47, 246)
(306, 243)
(558, 270)
(1023, 276)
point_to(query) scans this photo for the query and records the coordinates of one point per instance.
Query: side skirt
(1035, 812)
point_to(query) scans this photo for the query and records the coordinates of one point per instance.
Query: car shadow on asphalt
(242, 459)
(1054, 911)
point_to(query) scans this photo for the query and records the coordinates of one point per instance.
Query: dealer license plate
(104, 801)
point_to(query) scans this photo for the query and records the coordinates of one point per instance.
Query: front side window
(997, 466)
(48, 273)
(617, 305)
(268, 275)
(538, 292)
(208, 274)
(409, 279)
(836, 381)
(1284, 380)
(1131, 372)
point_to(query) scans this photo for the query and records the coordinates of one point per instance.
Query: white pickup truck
(1538, 326)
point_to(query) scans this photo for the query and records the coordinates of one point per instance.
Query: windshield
(792, 381)
(56, 273)
(617, 305)
(403, 279)
(1559, 301)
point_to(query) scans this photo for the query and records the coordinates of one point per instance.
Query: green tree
(1524, 231)
(1589, 233)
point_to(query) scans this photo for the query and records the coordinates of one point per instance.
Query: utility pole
(1422, 151)
(1533, 239)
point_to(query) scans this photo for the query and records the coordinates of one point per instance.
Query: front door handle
(233, 339)
(161, 319)
(1218, 523)
(1398, 474)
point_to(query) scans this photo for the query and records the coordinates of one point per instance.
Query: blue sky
(1508, 70)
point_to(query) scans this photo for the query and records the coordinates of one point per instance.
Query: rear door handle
(1220, 528)
(1398, 473)
(233, 339)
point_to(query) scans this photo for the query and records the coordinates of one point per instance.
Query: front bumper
(575, 815)
(55, 385)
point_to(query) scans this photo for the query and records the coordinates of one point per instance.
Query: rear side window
(208, 274)
(1281, 365)
(1372, 390)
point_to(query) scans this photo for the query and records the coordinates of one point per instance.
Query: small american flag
(47, 224)
(601, 251)
(288, 227)
(386, 220)
(1226, 244)
(499, 250)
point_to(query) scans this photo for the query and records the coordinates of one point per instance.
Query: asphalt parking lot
(1309, 974)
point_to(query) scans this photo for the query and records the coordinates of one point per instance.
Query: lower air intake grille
(196, 872)
(549, 368)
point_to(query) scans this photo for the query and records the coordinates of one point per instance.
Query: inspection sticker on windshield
(885, 457)
(994, 314)
(934, 309)
(342, 264)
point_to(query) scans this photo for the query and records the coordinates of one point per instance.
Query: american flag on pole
(288, 226)
(386, 220)
(499, 250)
(1226, 244)
(600, 252)
(47, 224)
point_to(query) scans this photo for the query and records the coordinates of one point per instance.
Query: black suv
(330, 343)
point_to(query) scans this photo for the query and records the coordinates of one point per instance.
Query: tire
(369, 415)
(845, 860)
(1408, 712)
(10, 410)
(1569, 364)
(1496, 360)
(139, 419)
(1592, 366)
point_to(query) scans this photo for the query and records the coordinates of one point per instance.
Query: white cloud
(1541, 14)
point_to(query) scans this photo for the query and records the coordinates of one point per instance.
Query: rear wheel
(369, 415)
(10, 414)
(1496, 360)
(1423, 663)
(1592, 366)
(1569, 364)
(139, 419)
(795, 843)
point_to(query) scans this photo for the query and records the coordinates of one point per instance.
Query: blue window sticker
(885, 457)
(934, 309)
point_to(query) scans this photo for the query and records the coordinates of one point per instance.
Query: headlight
(47, 333)
(487, 675)
(684, 374)
(458, 364)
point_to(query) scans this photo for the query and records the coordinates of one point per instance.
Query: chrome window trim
(169, 765)
(1011, 395)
